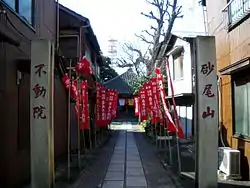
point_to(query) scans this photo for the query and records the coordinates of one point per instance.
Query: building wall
(14, 99)
(231, 46)
(184, 27)
(184, 84)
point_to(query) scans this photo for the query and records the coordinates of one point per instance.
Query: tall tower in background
(112, 51)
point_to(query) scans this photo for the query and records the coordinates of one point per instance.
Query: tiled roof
(121, 83)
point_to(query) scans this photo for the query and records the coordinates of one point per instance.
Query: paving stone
(114, 176)
(135, 150)
(119, 153)
(117, 161)
(132, 171)
(129, 152)
(116, 167)
(136, 181)
(134, 164)
(133, 160)
(118, 158)
(113, 184)
(133, 156)
(120, 149)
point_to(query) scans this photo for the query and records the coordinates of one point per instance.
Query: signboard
(206, 112)
(41, 110)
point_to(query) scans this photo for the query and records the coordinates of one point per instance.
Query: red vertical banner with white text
(85, 108)
(103, 108)
(114, 105)
(136, 106)
(170, 123)
(156, 101)
(142, 105)
(98, 105)
(111, 97)
(149, 101)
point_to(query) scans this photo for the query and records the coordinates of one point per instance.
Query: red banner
(179, 128)
(142, 104)
(149, 100)
(83, 67)
(85, 108)
(136, 105)
(66, 81)
(114, 105)
(98, 105)
(110, 101)
(170, 123)
(156, 101)
(103, 109)
(78, 107)
(71, 86)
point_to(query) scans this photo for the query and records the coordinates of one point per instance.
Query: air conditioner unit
(229, 162)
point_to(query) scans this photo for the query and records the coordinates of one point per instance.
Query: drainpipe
(57, 24)
(219, 99)
(220, 110)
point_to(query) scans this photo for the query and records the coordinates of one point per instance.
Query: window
(242, 106)
(25, 10)
(237, 10)
(11, 3)
(23, 7)
(178, 66)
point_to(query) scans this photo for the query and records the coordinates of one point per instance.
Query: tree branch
(163, 14)
(151, 16)
(123, 63)
(144, 39)
(146, 31)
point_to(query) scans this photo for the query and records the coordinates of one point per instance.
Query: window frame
(243, 17)
(16, 12)
(236, 78)
(176, 59)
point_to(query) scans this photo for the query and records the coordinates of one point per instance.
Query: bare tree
(134, 58)
(163, 13)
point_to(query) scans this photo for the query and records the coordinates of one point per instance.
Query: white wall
(185, 116)
(183, 85)
(192, 22)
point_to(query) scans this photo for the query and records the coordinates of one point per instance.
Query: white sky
(121, 19)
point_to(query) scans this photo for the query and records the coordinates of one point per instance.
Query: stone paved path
(125, 168)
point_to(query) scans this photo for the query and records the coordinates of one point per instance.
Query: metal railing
(237, 10)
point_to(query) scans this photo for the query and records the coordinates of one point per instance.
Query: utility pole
(42, 114)
(112, 49)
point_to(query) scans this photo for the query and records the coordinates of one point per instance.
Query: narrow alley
(132, 163)
(124, 94)
(125, 167)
